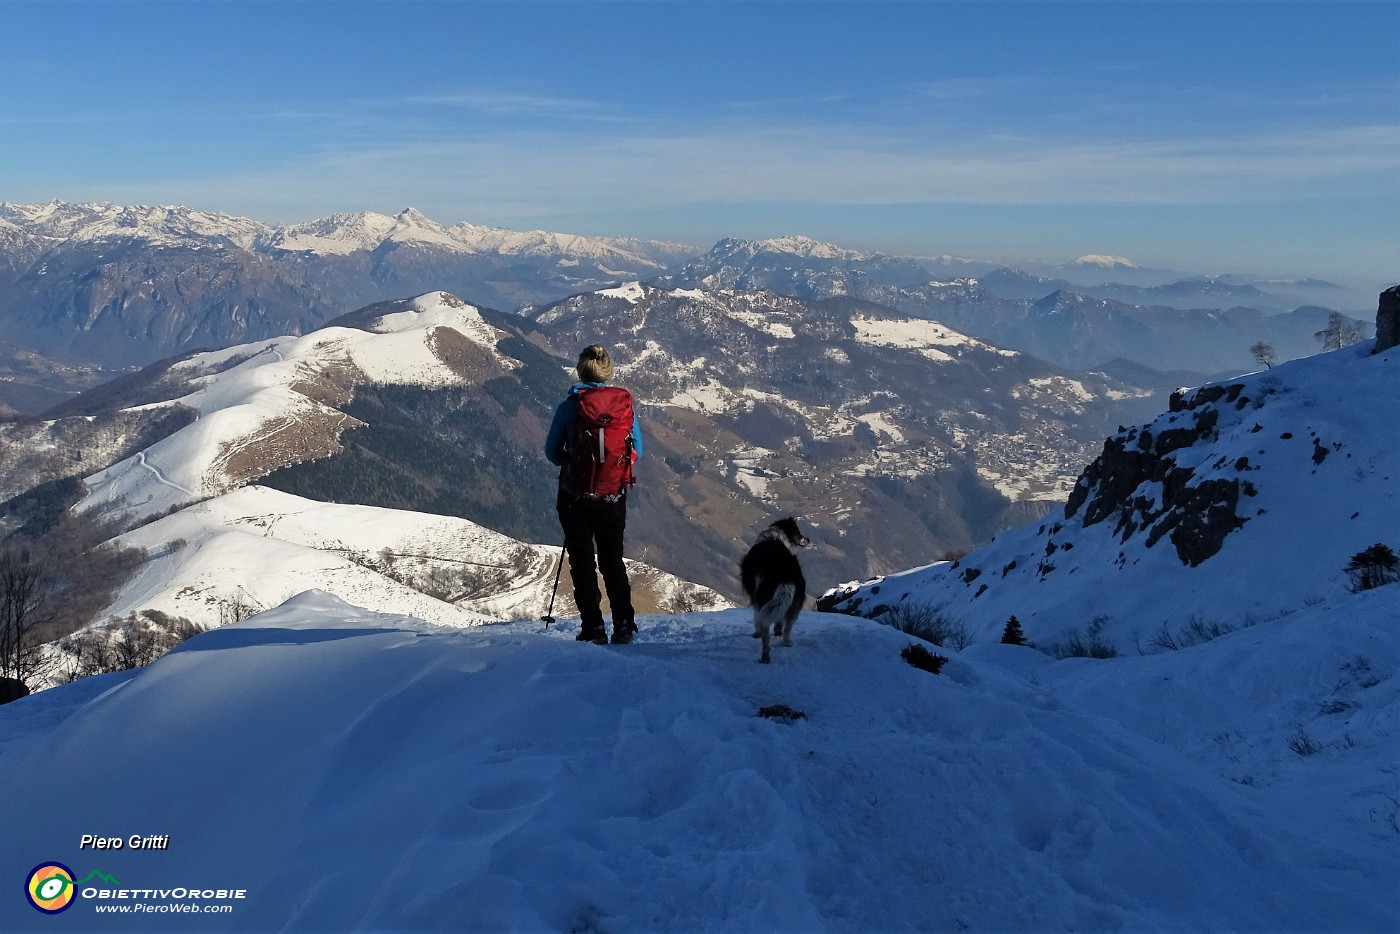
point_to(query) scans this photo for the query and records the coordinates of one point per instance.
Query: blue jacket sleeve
(637, 433)
(559, 431)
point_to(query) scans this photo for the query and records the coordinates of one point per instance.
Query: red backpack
(600, 450)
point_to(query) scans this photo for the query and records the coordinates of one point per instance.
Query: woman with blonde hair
(594, 440)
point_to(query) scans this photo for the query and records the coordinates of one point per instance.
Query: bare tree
(238, 608)
(23, 609)
(1340, 332)
(1264, 353)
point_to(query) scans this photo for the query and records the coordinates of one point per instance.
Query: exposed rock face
(1388, 320)
(1197, 516)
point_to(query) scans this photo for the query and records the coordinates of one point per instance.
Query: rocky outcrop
(1388, 320)
(1197, 515)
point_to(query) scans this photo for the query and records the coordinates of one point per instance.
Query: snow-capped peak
(440, 309)
(1100, 259)
(806, 246)
(350, 233)
(793, 244)
(261, 404)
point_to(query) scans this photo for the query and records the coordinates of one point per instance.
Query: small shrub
(922, 658)
(1359, 670)
(1303, 744)
(1086, 643)
(929, 623)
(1197, 631)
(781, 712)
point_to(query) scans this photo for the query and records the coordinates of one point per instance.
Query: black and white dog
(773, 580)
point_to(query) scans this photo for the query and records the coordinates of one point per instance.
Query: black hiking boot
(623, 632)
(595, 634)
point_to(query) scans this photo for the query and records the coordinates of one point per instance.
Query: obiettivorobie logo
(51, 887)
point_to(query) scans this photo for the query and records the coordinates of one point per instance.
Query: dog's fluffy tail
(776, 608)
(772, 613)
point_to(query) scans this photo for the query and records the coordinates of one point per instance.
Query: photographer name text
(133, 842)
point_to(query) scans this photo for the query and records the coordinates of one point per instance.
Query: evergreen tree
(1373, 567)
(1012, 634)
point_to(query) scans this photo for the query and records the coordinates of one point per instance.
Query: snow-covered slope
(254, 548)
(270, 403)
(1243, 503)
(356, 771)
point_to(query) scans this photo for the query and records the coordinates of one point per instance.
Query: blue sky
(1208, 137)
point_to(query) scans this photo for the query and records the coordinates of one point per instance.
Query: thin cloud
(514, 103)
(811, 167)
(526, 178)
(974, 88)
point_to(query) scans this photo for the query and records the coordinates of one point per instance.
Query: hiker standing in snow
(594, 440)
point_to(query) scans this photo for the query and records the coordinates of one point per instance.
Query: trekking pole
(548, 617)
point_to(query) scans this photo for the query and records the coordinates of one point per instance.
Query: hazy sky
(1208, 137)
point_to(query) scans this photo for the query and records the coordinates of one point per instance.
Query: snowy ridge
(255, 548)
(1242, 505)
(260, 404)
(794, 245)
(805, 246)
(336, 235)
(619, 250)
(1107, 262)
(564, 787)
(171, 225)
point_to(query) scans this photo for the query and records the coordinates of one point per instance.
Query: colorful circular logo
(50, 888)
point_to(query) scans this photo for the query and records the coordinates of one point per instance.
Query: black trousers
(586, 522)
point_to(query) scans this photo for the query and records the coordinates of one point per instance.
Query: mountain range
(1203, 328)
(88, 290)
(119, 286)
